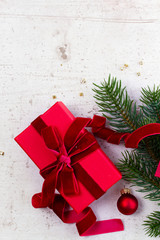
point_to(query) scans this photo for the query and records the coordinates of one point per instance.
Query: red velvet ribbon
(77, 143)
(131, 139)
(85, 221)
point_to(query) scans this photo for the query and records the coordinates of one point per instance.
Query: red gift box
(96, 164)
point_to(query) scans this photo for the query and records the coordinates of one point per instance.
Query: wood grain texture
(60, 48)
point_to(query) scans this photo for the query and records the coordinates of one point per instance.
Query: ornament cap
(125, 191)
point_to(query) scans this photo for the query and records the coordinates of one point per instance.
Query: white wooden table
(60, 48)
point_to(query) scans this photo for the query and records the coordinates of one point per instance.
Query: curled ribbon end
(36, 201)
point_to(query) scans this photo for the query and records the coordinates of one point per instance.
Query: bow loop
(75, 131)
(82, 144)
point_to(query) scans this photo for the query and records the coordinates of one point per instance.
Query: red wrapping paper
(96, 164)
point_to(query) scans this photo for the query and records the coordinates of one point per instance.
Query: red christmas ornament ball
(127, 203)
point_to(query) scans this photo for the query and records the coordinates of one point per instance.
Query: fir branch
(151, 103)
(152, 146)
(152, 225)
(140, 165)
(121, 110)
(134, 169)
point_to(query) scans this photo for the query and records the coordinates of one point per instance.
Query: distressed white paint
(46, 48)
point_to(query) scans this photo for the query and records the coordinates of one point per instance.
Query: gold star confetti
(54, 96)
(81, 94)
(1, 153)
(124, 67)
(140, 63)
(83, 80)
(138, 74)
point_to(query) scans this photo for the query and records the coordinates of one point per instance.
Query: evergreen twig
(152, 225)
(151, 103)
(135, 170)
(117, 106)
(140, 165)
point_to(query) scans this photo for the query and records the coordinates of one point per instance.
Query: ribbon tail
(106, 226)
(37, 201)
(68, 181)
(86, 220)
(99, 130)
(46, 197)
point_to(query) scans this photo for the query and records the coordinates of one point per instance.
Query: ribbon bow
(77, 143)
(60, 174)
